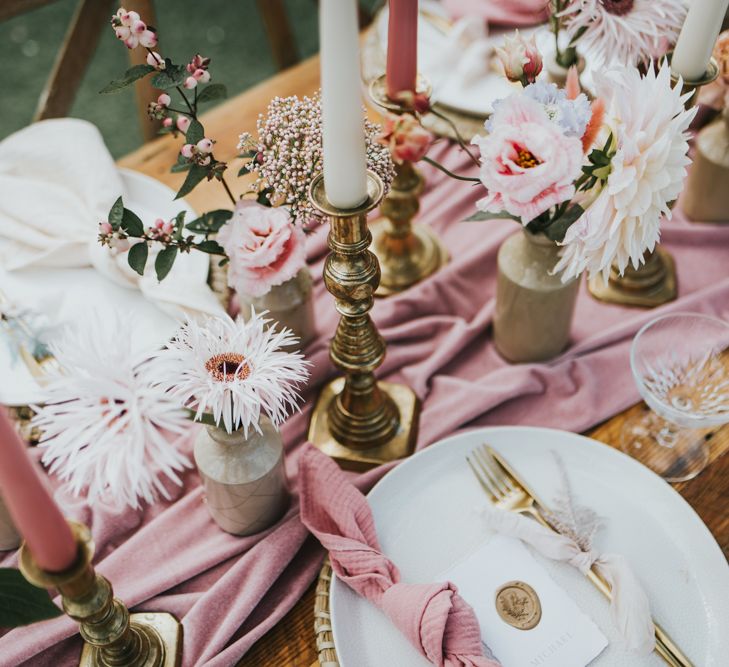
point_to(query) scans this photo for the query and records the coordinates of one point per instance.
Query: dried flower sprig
(288, 154)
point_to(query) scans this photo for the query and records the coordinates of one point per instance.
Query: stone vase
(706, 196)
(534, 308)
(243, 477)
(9, 536)
(290, 304)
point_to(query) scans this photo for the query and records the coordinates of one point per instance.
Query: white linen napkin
(58, 181)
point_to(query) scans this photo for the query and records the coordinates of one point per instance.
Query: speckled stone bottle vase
(243, 477)
(290, 304)
(534, 308)
(9, 536)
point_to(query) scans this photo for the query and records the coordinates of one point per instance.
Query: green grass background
(228, 31)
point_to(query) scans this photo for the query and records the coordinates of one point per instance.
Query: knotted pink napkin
(434, 618)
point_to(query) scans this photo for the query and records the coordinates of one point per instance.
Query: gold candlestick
(112, 636)
(407, 251)
(654, 282)
(358, 421)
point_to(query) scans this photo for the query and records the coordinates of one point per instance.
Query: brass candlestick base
(651, 285)
(407, 251)
(357, 420)
(112, 636)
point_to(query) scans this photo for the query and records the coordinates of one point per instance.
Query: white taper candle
(697, 38)
(345, 161)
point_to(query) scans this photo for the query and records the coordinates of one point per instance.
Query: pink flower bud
(131, 42)
(159, 223)
(164, 100)
(105, 228)
(187, 151)
(190, 82)
(205, 161)
(521, 59)
(205, 145)
(148, 39)
(156, 60)
(168, 228)
(183, 122)
(202, 75)
(167, 122)
(122, 33)
(138, 27)
(132, 17)
(120, 245)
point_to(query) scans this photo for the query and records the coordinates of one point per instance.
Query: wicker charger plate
(322, 619)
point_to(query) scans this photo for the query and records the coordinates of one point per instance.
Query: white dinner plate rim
(709, 549)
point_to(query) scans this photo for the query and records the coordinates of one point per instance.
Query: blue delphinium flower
(571, 115)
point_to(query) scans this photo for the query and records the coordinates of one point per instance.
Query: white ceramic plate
(72, 295)
(426, 513)
(475, 96)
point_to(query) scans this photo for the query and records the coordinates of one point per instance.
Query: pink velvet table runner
(229, 591)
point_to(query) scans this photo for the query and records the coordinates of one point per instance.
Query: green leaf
(130, 76)
(263, 199)
(177, 168)
(165, 260)
(116, 213)
(21, 603)
(484, 215)
(215, 91)
(557, 230)
(137, 257)
(131, 223)
(210, 222)
(211, 247)
(195, 132)
(170, 76)
(194, 176)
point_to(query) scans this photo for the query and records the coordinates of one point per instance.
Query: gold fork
(40, 368)
(507, 491)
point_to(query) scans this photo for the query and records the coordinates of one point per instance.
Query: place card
(526, 619)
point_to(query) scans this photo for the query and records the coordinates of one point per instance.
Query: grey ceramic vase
(243, 477)
(534, 308)
(290, 304)
(9, 536)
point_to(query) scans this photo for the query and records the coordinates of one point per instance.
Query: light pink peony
(527, 164)
(264, 247)
(406, 138)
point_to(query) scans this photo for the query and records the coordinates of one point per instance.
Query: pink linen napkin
(504, 12)
(433, 617)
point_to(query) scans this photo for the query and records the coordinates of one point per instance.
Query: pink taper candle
(402, 46)
(35, 514)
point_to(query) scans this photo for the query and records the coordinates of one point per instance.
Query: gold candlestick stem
(654, 282)
(112, 636)
(407, 251)
(358, 421)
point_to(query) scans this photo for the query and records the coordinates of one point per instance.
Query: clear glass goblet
(680, 363)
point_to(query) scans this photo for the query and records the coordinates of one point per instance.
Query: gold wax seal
(518, 605)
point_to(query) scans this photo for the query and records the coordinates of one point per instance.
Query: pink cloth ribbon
(433, 617)
(629, 607)
(504, 12)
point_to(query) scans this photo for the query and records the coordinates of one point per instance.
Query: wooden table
(291, 642)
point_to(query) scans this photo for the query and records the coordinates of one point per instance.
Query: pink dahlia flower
(527, 164)
(264, 247)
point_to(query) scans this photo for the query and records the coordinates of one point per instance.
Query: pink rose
(527, 164)
(264, 247)
(406, 138)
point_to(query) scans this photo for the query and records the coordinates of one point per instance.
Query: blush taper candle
(345, 162)
(402, 47)
(34, 512)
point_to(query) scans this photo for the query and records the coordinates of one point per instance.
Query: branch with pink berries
(192, 83)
